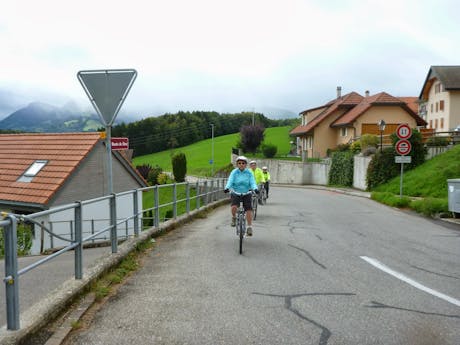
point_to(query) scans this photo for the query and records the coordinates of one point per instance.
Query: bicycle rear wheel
(254, 207)
(241, 228)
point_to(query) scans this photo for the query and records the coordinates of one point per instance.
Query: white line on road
(410, 281)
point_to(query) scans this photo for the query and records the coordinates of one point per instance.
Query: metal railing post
(198, 195)
(157, 206)
(187, 197)
(136, 213)
(113, 223)
(78, 237)
(205, 193)
(212, 191)
(11, 274)
(174, 200)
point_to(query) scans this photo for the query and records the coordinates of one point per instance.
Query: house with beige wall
(347, 117)
(440, 98)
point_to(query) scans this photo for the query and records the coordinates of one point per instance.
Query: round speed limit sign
(403, 131)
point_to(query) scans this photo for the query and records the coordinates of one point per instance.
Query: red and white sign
(120, 143)
(403, 147)
(403, 131)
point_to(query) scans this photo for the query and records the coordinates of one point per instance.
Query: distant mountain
(42, 117)
(276, 113)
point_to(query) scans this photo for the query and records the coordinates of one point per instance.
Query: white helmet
(264, 168)
(252, 162)
(242, 158)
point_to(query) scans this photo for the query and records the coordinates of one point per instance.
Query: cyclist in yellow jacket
(258, 175)
(267, 179)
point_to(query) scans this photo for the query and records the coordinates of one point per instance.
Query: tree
(251, 137)
(179, 165)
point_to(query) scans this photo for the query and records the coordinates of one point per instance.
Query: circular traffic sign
(403, 131)
(403, 147)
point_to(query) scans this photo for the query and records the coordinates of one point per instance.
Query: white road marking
(410, 281)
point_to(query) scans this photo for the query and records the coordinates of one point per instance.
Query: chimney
(339, 92)
(367, 93)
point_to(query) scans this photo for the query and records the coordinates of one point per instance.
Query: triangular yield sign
(107, 90)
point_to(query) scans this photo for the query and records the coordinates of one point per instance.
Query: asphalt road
(321, 268)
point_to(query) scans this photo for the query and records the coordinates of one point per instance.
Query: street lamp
(381, 125)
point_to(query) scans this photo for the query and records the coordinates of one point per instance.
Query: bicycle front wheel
(254, 207)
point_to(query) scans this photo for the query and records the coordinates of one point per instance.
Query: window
(436, 106)
(441, 105)
(431, 123)
(32, 171)
(431, 107)
(436, 123)
(442, 122)
(343, 132)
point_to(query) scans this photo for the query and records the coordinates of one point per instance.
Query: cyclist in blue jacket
(241, 180)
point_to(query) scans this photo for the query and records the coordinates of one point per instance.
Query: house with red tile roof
(347, 117)
(440, 98)
(39, 171)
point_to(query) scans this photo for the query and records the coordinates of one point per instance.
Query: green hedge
(341, 172)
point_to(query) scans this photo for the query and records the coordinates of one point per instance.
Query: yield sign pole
(107, 90)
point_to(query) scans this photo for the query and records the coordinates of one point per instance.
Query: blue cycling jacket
(241, 181)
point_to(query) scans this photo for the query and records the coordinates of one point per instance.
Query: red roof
(350, 99)
(63, 151)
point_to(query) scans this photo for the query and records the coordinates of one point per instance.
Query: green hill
(199, 154)
(425, 187)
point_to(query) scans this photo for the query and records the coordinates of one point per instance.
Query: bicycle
(241, 218)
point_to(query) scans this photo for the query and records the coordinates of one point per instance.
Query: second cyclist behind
(241, 180)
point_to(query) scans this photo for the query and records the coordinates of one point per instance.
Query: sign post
(107, 90)
(403, 147)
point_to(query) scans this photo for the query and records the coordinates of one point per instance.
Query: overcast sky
(235, 55)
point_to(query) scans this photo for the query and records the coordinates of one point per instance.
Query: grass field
(199, 154)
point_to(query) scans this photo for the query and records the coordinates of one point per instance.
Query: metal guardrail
(206, 191)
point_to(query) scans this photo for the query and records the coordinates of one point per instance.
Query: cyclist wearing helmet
(258, 175)
(241, 180)
(267, 178)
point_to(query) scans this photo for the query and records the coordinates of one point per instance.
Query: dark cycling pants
(247, 201)
(266, 186)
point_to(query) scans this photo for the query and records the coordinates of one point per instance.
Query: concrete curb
(45, 311)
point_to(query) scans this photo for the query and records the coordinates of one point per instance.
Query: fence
(201, 193)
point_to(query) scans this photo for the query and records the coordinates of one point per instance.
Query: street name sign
(403, 159)
(120, 144)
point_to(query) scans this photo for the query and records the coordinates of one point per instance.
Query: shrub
(162, 178)
(437, 141)
(355, 146)
(152, 178)
(430, 206)
(24, 239)
(144, 170)
(269, 150)
(390, 199)
(381, 168)
(341, 172)
(369, 140)
(179, 165)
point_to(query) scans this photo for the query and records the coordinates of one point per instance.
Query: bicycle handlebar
(241, 194)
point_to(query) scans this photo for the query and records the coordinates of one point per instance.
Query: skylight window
(32, 171)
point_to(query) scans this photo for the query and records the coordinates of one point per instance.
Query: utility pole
(212, 149)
